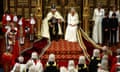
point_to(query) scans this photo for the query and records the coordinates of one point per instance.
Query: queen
(73, 21)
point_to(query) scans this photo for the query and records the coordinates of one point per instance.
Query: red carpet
(37, 47)
(63, 51)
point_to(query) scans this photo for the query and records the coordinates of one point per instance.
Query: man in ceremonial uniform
(32, 27)
(95, 60)
(82, 66)
(21, 32)
(51, 65)
(51, 24)
(8, 60)
(4, 21)
(19, 66)
(34, 62)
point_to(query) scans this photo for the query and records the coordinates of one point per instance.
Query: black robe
(93, 66)
(51, 67)
(82, 68)
(53, 28)
(106, 25)
(113, 25)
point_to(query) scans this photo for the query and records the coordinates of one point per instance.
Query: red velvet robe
(16, 49)
(8, 61)
(114, 67)
(32, 26)
(114, 60)
(23, 26)
(4, 21)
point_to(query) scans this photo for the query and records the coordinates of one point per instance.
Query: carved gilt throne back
(63, 6)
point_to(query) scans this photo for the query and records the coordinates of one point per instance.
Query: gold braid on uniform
(52, 65)
(53, 30)
(96, 58)
(85, 66)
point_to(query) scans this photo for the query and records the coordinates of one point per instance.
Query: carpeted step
(37, 47)
(62, 57)
(64, 51)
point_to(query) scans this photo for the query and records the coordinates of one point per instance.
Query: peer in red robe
(7, 17)
(4, 22)
(12, 34)
(8, 60)
(114, 59)
(116, 66)
(16, 49)
(21, 31)
(13, 40)
(32, 23)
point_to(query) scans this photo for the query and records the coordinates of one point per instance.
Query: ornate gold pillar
(6, 5)
(118, 3)
(39, 17)
(86, 16)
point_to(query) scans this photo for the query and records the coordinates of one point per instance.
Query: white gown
(118, 16)
(97, 28)
(45, 26)
(71, 31)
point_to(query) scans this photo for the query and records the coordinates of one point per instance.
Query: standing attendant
(106, 28)
(113, 27)
(117, 12)
(97, 28)
(21, 32)
(15, 19)
(32, 27)
(4, 21)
